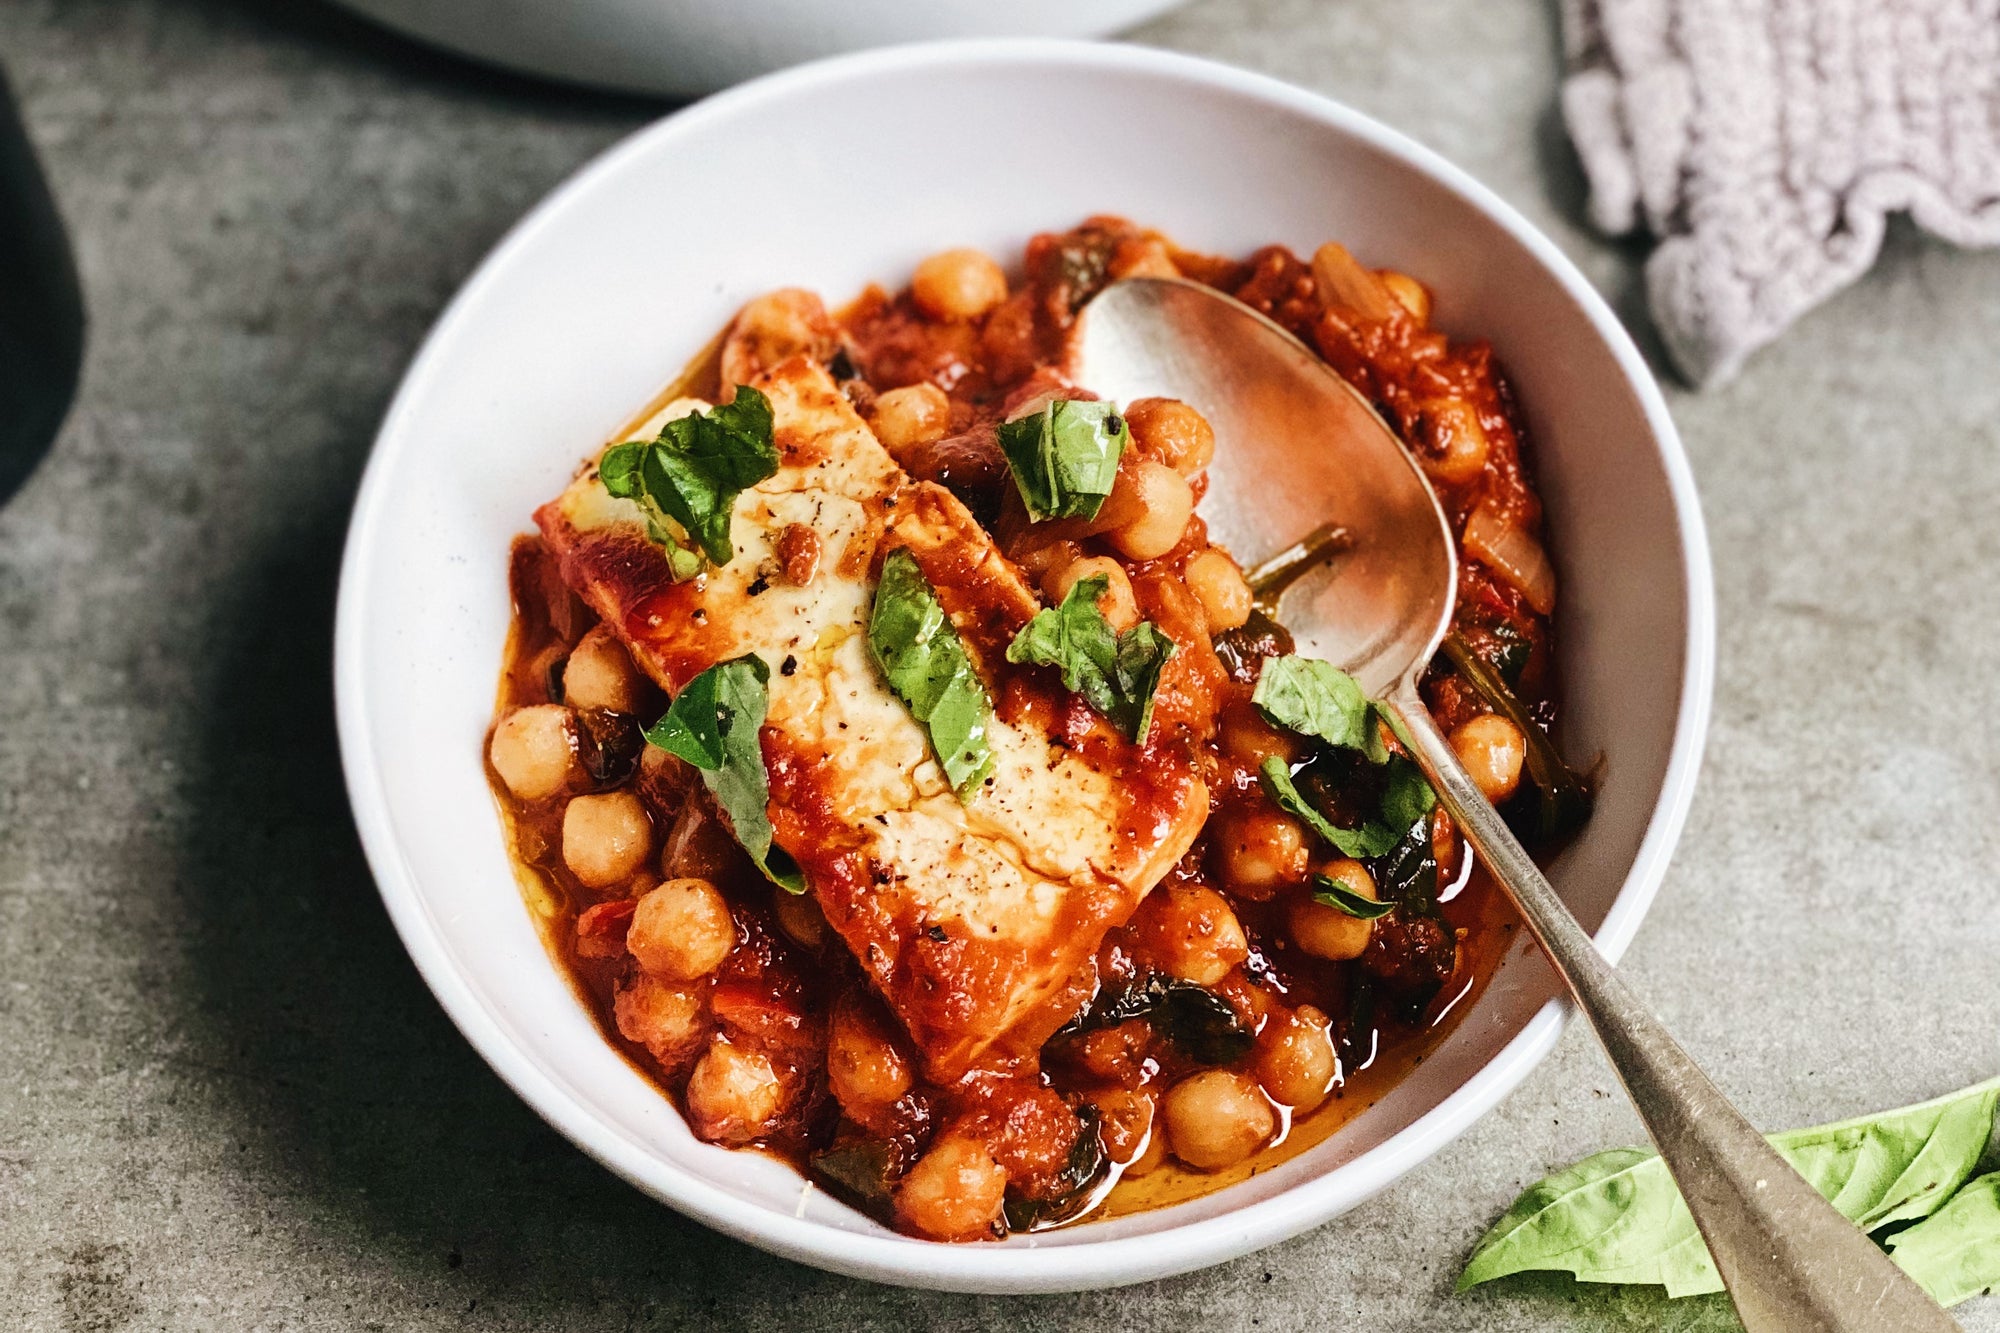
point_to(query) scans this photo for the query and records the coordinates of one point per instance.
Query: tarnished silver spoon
(1299, 448)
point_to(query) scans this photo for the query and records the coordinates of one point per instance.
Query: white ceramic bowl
(601, 294)
(684, 47)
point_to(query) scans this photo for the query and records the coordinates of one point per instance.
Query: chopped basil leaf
(1333, 893)
(1314, 698)
(687, 479)
(1371, 839)
(1117, 674)
(1408, 872)
(713, 724)
(1395, 725)
(1318, 699)
(927, 666)
(1409, 797)
(1243, 651)
(1064, 457)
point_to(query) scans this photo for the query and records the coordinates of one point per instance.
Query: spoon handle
(1791, 1262)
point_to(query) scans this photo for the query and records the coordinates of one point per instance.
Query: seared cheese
(969, 917)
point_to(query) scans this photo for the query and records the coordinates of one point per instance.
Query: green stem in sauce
(1269, 579)
(1563, 802)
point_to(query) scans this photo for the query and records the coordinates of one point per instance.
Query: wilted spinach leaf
(857, 1172)
(1205, 1027)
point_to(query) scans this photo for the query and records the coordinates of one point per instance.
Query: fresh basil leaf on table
(713, 723)
(689, 477)
(1065, 457)
(927, 666)
(1955, 1252)
(1334, 894)
(1117, 674)
(1617, 1217)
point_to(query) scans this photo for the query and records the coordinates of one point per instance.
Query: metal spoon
(1300, 448)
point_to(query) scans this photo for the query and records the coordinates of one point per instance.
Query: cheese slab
(971, 918)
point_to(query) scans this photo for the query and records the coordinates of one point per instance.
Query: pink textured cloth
(1765, 142)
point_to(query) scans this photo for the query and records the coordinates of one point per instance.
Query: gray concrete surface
(226, 1101)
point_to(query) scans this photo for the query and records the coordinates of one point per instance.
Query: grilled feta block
(970, 917)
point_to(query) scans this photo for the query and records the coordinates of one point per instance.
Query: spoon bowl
(1305, 452)
(1298, 446)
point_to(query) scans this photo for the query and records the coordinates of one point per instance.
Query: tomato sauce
(1077, 1108)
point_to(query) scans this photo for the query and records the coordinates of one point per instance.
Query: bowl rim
(1084, 1264)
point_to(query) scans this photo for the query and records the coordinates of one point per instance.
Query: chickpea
(1328, 932)
(1260, 852)
(1459, 443)
(915, 414)
(664, 1019)
(1147, 511)
(1219, 586)
(1169, 431)
(606, 838)
(682, 930)
(865, 1066)
(1296, 1063)
(734, 1094)
(1216, 1118)
(1117, 602)
(954, 1192)
(600, 674)
(1410, 294)
(773, 328)
(1153, 1154)
(1492, 749)
(799, 917)
(958, 285)
(1249, 739)
(1190, 932)
(534, 751)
